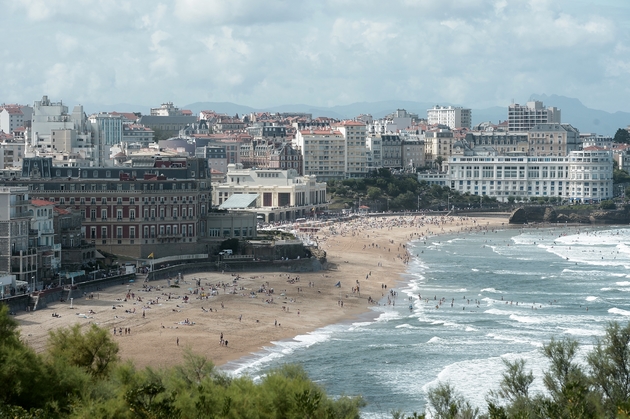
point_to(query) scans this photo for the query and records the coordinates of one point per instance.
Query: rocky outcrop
(609, 217)
(550, 215)
(519, 216)
(534, 214)
(526, 215)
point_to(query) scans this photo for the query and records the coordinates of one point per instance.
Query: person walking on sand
(177, 341)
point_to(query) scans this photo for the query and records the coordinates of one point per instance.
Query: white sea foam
(583, 332)
(434, 339)
(475, 270)
(498, 312)
(623, 283)
(525, 319)
(619, 311)
(591, 298)
(405, 326)
(491, 290)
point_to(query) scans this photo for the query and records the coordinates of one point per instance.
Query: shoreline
(365, 253)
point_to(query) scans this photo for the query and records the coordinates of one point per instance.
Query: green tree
(609, 364)
(444, 402)
(568, 385)
(511, 199)
(374, 192)
(94, 350)
(608, 204)
(622, 136)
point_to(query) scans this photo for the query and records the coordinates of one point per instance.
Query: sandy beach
(254, 309)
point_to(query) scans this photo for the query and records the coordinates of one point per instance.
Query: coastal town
(86, 196)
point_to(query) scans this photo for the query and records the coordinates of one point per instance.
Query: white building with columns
(276, 195)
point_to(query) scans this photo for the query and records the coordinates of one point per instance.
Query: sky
(475, 53)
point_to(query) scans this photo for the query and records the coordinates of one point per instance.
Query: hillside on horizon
(573, 111)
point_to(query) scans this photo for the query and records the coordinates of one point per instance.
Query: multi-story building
(276, 195)
(215, 155)
(167, 109)
(412, 153)
(553, 140)
(584, 176)
(108, 127)
(524, 117)
(285, 157)
(17, 256)
(355, 150)
(43, 238)
(438, 144)
(154, 205)
(14, 116)
(374, 145)
(11, 153)
(267, 131)
(504, 143)
(135, 133)
(451, 116)
(76, 253)
(323, 152)
(391, 146)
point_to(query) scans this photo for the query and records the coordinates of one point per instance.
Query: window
(104, 214)
(119, 214)
(119, 232)
(132, 232)
(132, 214)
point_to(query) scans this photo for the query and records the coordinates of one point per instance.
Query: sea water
(511, 291)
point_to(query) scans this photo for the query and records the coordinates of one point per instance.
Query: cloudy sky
(476, 53)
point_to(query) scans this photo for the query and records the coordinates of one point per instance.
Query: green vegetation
(622, 136)
(384, 191)
(608, 204)
(600, 388)
(80, 376)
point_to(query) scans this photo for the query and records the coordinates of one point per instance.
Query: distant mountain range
(572, 110)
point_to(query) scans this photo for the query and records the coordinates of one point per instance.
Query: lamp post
(33, 285)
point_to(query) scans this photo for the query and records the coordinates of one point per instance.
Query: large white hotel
(582, 176)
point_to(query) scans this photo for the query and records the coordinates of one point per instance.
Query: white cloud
(278, 51)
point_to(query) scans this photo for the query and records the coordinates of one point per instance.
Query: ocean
(499, 294)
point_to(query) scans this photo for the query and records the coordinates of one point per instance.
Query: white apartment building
(356, 152)
(323, 152)
(14, 116)
(452, 117)
(274, 194)
(525, 117)
(11, 154)
(582, 176)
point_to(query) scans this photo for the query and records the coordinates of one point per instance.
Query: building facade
(522, 118)
(157, 206)
(281, 194)
(553, 140)
(452, 117)
(323, 152)
(581, 176)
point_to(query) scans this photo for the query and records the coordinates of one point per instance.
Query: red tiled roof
(41, 202)
(61, 211)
